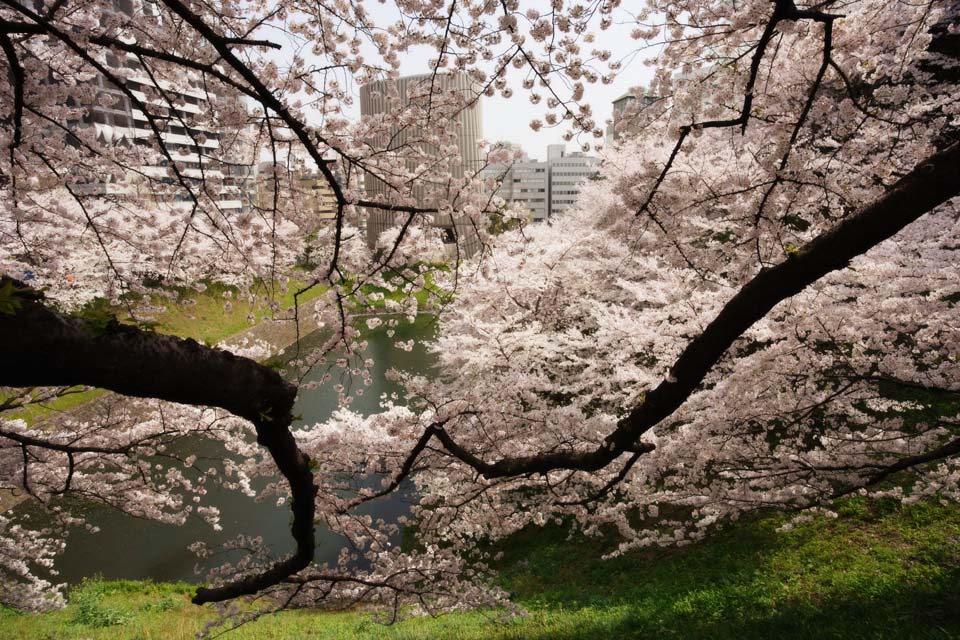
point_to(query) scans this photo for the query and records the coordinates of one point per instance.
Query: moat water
(131, 548)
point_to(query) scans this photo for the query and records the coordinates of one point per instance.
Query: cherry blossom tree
(754, 307)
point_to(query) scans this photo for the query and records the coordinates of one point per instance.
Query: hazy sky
(509, 120)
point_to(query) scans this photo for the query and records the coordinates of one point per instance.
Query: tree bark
(42, 347)
(932, 182)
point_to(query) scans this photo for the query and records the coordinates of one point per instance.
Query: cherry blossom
(754, 305)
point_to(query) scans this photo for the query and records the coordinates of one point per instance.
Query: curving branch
(42, 347)
(783, 10)
(947, 450)
(18, 78)
(930, 184)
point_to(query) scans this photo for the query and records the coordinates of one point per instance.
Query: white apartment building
(544, 189)
(182, 112)
(568, 172)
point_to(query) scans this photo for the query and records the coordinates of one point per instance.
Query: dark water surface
(132, 548)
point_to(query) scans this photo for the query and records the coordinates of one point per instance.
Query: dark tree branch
(609, 486)
(9, 26)
(932, 183)
(782, 10)
(17, 81)
(69, 449)
(798, 126)
(943, 452)
(42, 347)
(253, 43)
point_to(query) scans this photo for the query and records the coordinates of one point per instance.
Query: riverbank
(879, 570)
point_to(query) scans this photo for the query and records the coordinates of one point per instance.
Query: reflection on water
(131, 548)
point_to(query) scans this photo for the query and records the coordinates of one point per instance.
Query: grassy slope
(878, 571)
(209, 322)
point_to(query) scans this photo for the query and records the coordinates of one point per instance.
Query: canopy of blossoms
(754, 305)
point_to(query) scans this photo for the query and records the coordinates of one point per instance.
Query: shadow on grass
(879, 571)
(905, 613)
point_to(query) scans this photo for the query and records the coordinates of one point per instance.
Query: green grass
(207, 320)
(430, 292)
(880, 570)
(33, 412)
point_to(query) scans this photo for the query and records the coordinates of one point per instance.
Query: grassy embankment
(880, 570)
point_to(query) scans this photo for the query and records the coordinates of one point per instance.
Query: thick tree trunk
(41, 347)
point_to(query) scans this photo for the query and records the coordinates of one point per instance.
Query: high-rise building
(378, 98)
(182, 112)
(525, 183)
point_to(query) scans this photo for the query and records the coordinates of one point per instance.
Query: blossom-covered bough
(755, 306)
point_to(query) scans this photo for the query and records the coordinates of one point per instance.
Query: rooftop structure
(624, 108)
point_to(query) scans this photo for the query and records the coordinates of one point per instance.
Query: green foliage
(166, 603)
(207, 316)
(97, 315)
(89, 609)
(795, 222)
(498, 224)
(10, 299)
(74, 396)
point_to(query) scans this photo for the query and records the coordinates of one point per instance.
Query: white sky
(509, 120)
